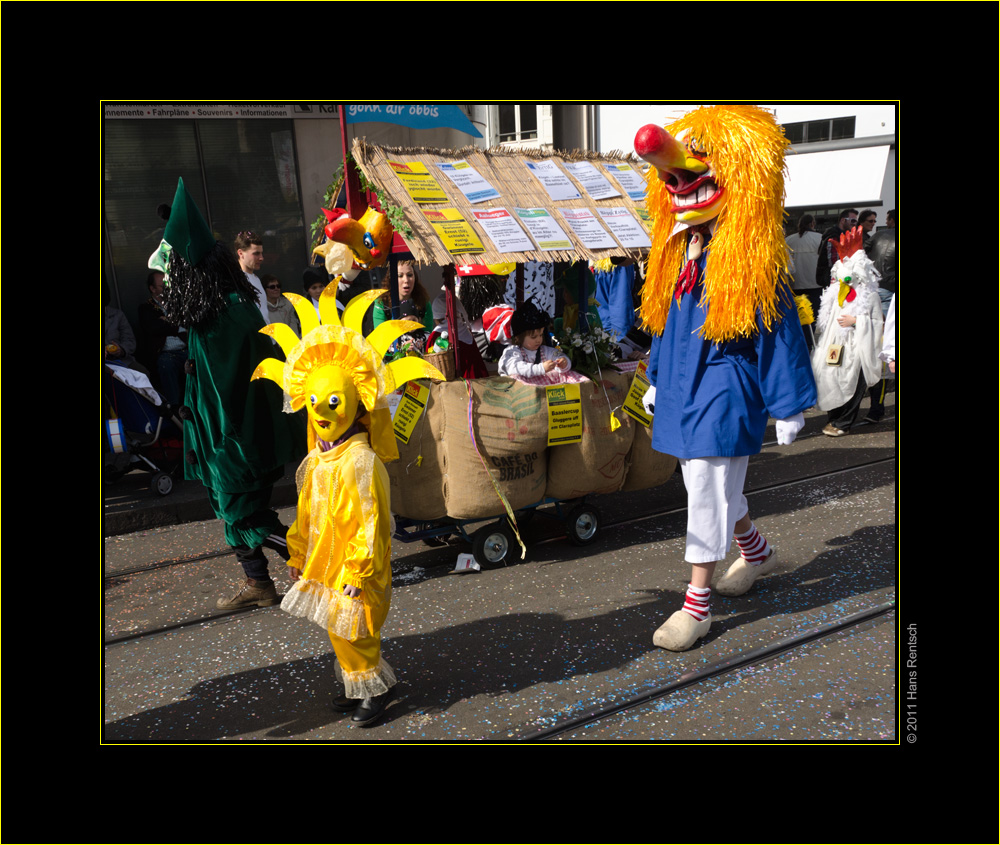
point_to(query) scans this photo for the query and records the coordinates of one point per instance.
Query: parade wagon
(486, 449)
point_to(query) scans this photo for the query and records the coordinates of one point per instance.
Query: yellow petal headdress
(328, 342)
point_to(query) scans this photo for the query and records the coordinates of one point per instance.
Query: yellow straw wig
(747, 255)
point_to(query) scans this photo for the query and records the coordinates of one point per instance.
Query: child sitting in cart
(528, 358)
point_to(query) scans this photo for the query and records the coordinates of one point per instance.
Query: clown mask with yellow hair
(722, 166)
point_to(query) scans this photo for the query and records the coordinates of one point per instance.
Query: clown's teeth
(704, 193)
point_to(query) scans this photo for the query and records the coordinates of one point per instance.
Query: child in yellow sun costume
(340, 541)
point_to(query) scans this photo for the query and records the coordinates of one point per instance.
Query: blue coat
(614, 299)
(713, 400)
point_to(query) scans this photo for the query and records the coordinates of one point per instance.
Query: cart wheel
(581, 524)
(435, 541)
(162, 483)
(492, 543)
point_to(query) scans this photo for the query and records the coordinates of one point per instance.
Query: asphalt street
(504, 653)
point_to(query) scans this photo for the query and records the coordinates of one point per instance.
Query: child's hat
(528, 317)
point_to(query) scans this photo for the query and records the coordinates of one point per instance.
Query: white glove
(649, 400)
(787, 429)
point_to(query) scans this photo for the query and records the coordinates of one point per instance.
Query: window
(813, 131)
(517, 122)
(242, 174)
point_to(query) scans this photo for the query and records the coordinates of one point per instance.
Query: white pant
(715, 504)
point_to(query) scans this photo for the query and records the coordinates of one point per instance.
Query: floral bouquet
(588, 352)
(406, 345)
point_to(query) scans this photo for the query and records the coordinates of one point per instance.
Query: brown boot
(260, 593)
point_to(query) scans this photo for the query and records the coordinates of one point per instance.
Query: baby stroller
(140, 431)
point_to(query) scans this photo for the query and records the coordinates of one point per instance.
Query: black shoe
(873, 419)
(369, 709)
(343, 704)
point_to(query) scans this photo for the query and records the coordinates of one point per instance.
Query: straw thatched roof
(507, 172)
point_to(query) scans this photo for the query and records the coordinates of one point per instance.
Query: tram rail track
(134, 636)
(181, 561)
(720, 669)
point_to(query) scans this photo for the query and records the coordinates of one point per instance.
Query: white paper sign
(469, 181)
(502, 228)
(394, 399)
(632, 182)
(592, 179)
(625, 227)
(553, 180)
(587, 228)
(544, 229)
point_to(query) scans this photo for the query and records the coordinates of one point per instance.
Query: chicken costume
(340, 541)
(846, 359)
(728, 351)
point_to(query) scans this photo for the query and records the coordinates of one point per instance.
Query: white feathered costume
(861, 342)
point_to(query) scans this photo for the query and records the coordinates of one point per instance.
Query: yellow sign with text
(633, 402)
(565, 414)
(411, 406)
(419, 183)
(455, 232)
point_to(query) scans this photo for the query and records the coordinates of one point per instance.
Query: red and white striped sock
(696, 601)
(753, 546)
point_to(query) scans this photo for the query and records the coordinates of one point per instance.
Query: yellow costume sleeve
(367, 514)
(298, 534)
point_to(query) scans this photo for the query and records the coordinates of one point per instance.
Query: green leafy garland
(393, 212)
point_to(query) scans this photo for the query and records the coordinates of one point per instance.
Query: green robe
(239, 440)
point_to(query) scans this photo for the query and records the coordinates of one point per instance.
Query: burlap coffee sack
(416, 480)
(510, 423)
(647, 467)
(596, 464)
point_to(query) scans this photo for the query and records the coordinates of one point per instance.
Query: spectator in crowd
(866, 219)
(165, 340)
(119, 340)
(882, 251)
(804, 247)
(414, 303)
(279, 309)
(314, 280)
(827, 250)
(250, 253)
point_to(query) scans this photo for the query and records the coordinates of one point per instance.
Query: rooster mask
(369, 238)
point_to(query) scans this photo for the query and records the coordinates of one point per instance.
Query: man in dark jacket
(882, 252)
(827, 250)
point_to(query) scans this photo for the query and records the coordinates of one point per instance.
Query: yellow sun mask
(337, 374)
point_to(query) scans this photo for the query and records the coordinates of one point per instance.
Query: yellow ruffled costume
(341, 537)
